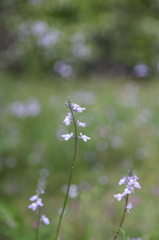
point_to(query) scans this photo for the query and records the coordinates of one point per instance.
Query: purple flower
(122, 181)
(131, 188)
(81, 124)
(40, 191)
(135, 177)
(126, 191)
(33, 206)
(77, 107)
(131, 182)
(45, 220)
(33, 198)
(137, 185)
(68, 119)
(118, 196)
(84, 137)
(37, 199)
(129, 206)
(67, 136)
(39, 202)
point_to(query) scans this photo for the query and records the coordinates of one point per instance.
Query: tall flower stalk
(71, 118)
(131, 183)
(38, 223)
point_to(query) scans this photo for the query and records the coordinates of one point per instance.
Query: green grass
(32, 144)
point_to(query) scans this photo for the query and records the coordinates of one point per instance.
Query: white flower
(67, 136)
(118, 196)
(77, 107)
(129, 206)
(33, 206)
(68, 119)
(33, 198)
(45, 220)
(81, 124)
(84, 137)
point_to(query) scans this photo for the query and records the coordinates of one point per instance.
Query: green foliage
(30, 147)
(106, 34)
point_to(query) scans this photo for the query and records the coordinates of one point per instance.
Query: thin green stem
(70, 177)
(123, 216)
(123, 232)
(38, 223)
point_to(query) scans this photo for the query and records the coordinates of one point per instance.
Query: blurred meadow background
(105, 56)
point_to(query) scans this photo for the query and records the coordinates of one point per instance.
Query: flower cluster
(37, 202)
(69, 118)
(131, 183)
